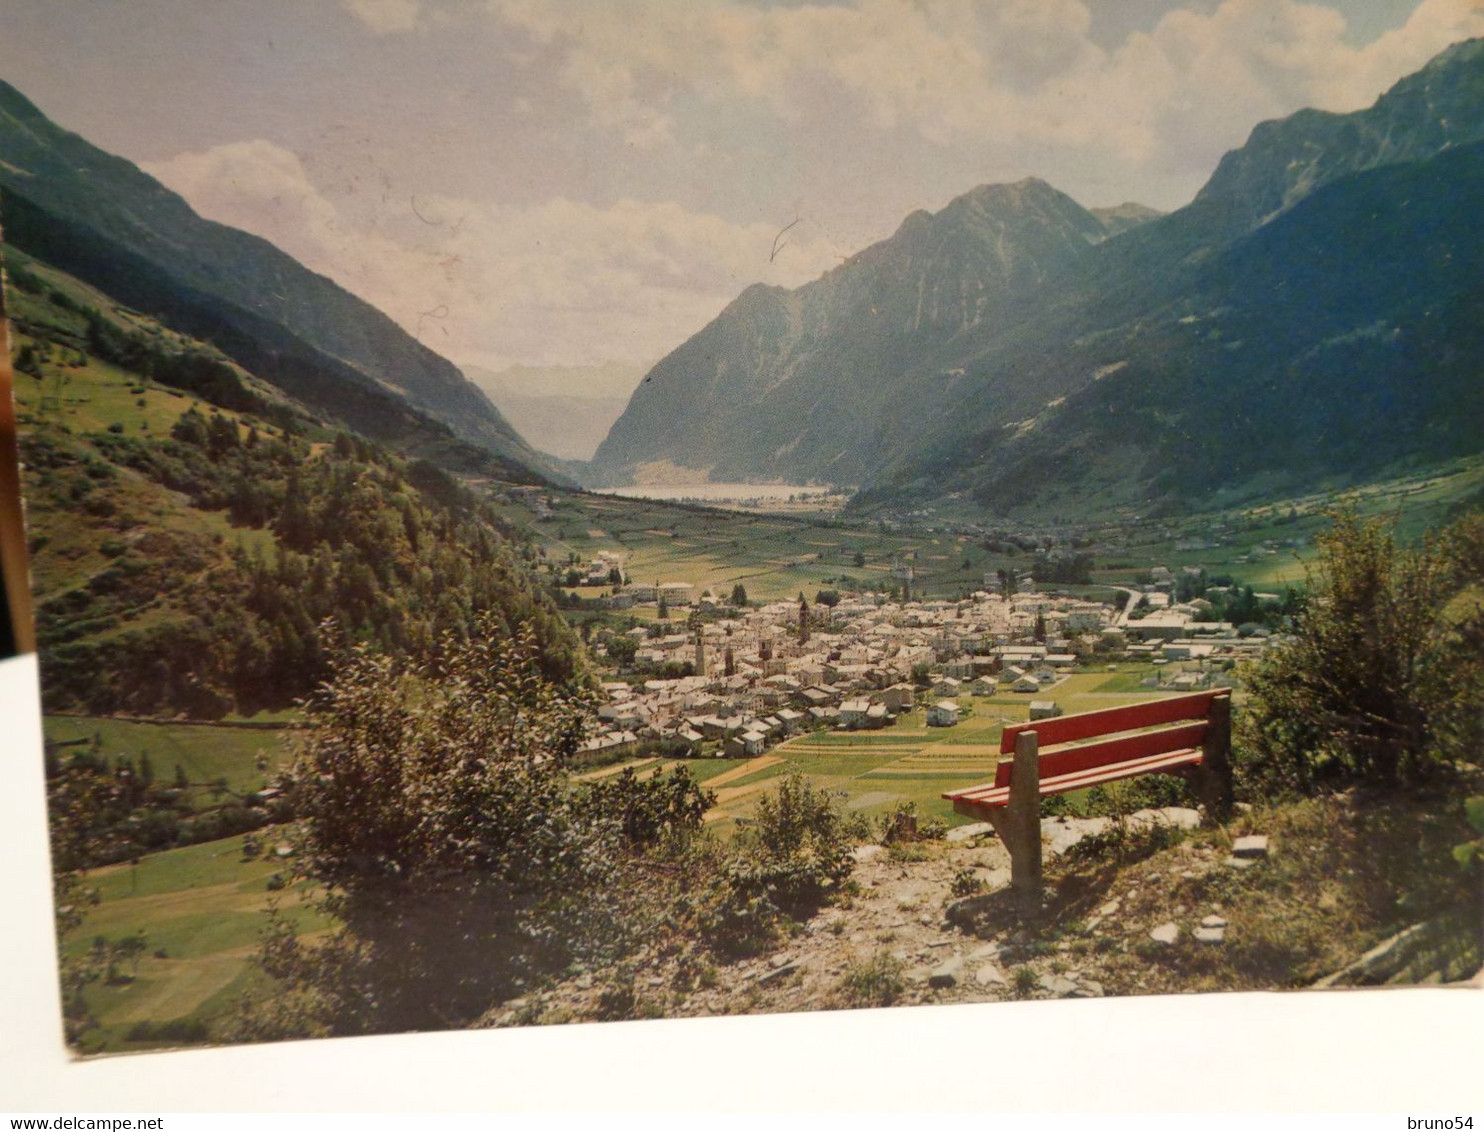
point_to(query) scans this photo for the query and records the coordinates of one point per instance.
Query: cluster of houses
(601, 570)
(676, 595)
(759, 677)
(534, 498)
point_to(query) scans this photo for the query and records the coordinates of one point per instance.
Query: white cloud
(386, 17)
(561, 282)
(263, 188)
(1018, 86)
(1367, 73)
(1016, 75)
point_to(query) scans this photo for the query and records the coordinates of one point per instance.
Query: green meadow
(245, 758)
(201, 911)
(772, 556)
(911, 762)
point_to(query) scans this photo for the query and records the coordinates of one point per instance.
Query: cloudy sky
(558, 182)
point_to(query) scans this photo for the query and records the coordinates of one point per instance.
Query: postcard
(549, 514)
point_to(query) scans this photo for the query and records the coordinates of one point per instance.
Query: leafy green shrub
(899, 823)
(876, 981)
(1125, 842)
(27, 361)
(617, 999)
(1383, 676)
(732, 916)
(795, 857)
(651, 810)
(966, 882)
(800, 845)
(1023, 982)
(932, 829)
(437, 824)
(1470, 854)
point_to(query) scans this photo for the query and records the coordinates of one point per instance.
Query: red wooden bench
(1190, 736)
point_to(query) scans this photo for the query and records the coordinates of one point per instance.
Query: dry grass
(1343, 874)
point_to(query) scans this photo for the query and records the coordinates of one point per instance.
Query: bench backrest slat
(1070, 728)
(1130, 747)
(1090, 755)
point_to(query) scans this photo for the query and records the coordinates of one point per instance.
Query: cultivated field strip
(829, 742)
(894, 749)
(932, 761)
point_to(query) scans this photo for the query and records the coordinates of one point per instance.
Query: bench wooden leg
(1022, 835)
(1215, 781)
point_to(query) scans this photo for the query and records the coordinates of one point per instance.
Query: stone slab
(971, 831)
(1181, 817)
(1168, 932)
(990, 975)
(1252, 846)
(948, 973)
(1059, 985)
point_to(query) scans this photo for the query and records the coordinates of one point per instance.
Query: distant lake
(716, 492)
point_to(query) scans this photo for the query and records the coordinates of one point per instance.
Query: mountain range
(1311, 317)
(102, 219)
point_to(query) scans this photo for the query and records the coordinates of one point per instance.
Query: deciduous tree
(1383, 678)
(437, 825)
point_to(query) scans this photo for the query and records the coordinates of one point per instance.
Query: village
(717, 677)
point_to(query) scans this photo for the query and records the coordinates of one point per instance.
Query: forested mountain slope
(191, 528)
(105, 221)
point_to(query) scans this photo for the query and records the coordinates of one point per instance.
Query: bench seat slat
(987, 797)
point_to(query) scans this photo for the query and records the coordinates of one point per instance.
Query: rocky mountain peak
(1284, 160)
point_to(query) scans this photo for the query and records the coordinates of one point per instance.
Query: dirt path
(611, 771)
(732, 793)
(762, 762)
